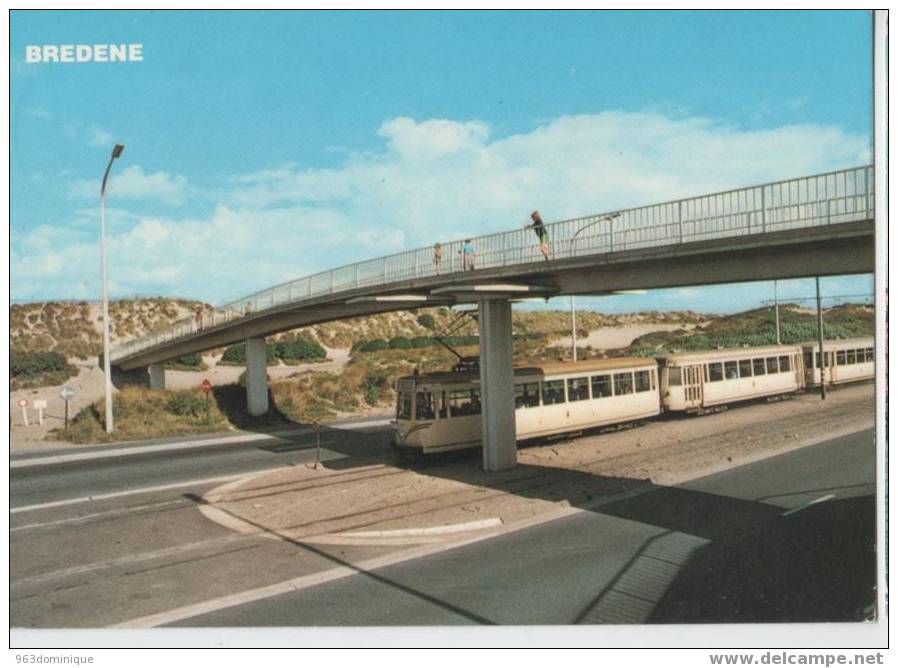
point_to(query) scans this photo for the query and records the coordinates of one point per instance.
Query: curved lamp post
(116, 152)
(609, 217)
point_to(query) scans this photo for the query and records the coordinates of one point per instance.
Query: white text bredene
(84, 53)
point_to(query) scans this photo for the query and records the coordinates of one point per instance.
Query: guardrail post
(611, 235)
(385, 271)
(763, 209)
(866, 192)
(680, 218)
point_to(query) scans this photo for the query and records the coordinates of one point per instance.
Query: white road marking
(91, 516)
(182, 445)
(338, 573)
(132, 558)
(139, 490)
(809, 504)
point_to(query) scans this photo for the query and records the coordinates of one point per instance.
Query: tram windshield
(404, 406)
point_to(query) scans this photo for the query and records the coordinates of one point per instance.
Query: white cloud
(99, 137)
(133, 183)
(432, 180)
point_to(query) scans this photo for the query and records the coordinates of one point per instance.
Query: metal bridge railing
(810, 201)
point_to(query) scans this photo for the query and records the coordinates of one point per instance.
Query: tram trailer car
(697, 381)
(439, 412)
(846, 360)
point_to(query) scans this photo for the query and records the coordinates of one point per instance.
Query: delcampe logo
(83, 53)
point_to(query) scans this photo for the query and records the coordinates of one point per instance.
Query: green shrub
(236, 354)
(373, 346)
(187, 404)
(32, 364)
(373, 387)
(400, 343)
(426, 320)
(191, 362)
(423, 342)
(299, 347)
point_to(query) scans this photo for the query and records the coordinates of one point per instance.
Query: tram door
(692, 385)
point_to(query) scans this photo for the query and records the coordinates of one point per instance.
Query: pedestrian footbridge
(807, 226)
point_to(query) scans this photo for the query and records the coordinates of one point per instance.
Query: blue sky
(261, 147)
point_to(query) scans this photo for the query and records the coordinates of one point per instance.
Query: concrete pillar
(256, 377)
(497, 385)
(157, 376)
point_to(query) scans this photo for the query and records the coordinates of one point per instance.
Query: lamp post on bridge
(107, 372)
(608, 218)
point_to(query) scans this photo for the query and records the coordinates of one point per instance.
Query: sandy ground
(225, 374)
(609, 338)
(88, 386)
(379, 497)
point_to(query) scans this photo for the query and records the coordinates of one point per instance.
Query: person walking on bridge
(438, 257)
(541, 233)
(467, 255)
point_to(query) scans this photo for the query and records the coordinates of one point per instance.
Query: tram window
(715, 371)
(578, 388)
(869, 354)
(526, 395)
(674, 376)
(553, 392)
(404, 406)
(424, 406)
(771, 365)
(785, 365)
(731, 370)
(442, 406)
(807, 360)
(601, 386)
(817, 359)
(464, 402)
(623, 383)
(643, 382)
(744, 368)
(840, 357)
(850, 357)
(758, 367)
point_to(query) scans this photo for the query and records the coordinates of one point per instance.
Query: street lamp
(116, 152)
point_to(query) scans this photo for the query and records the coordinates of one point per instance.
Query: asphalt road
(76, 479)
(788, 538)
(741, 546)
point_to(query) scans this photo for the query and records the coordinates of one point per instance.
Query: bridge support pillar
(497, 385)
(157, 376)
(256, 377)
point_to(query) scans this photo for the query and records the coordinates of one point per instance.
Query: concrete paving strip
(183, 445)
(132, 492)
(427, 531)
(808, 504)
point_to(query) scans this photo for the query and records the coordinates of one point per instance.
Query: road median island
(389, 504)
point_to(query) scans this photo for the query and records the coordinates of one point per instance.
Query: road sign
(66, 392)
(23, 402)
(39, 405)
